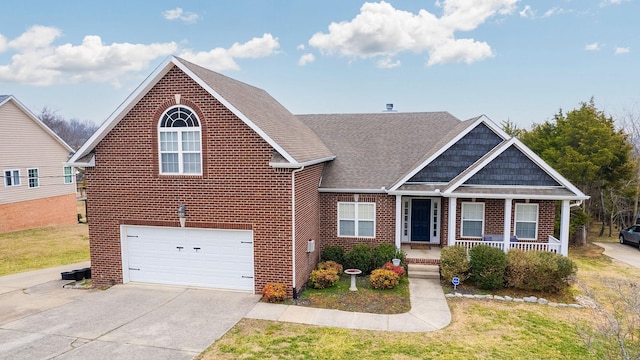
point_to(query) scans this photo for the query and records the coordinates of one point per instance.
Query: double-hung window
(179, 142)
(356, 219)
(68, 175)
(527, 221)
(34, 182)
(11, 178)
(472, 220)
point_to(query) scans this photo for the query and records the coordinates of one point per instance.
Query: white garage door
(186, 256)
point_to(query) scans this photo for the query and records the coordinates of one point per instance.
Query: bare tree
(74, 132)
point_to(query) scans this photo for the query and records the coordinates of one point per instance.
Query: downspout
(293, 229)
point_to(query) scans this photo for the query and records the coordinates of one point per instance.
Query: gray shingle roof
(376, 150)
(267, 113)
(3, 97)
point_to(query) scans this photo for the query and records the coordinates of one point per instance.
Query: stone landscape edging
(526, 299)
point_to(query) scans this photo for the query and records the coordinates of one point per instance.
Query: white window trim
(180, 152)
(4, 177)
(356, 219)
(65, 175)
(37, 177)
(526, 221)
(462, 220)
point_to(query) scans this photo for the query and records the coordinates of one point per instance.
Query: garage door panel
(187, 256)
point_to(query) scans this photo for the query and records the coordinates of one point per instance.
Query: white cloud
(300, 47)
(219, 59)
(387, 63)
(179, 14)
(611, 2)
(37, 60)
(622, 50)
(592, 47)
(380, 30)
(305, 59)
(527, 12)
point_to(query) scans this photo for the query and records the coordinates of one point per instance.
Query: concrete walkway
(429, 312)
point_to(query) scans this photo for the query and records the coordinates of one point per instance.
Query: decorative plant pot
(68, 275)
(396, 262)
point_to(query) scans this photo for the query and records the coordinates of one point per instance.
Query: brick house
(199, 179)
(38, 187)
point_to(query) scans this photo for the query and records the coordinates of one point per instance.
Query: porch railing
(553, 245)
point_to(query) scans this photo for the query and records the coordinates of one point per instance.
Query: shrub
(322, 279)
(330, 265)
(487, 266)
(383, 253)
(274, 292)
(538, 270)
(359, 258)
(333, 253)
(383, 279)
(396, 269)
(454, 263)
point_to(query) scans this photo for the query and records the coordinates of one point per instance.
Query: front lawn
(43, 247)
(366, 299)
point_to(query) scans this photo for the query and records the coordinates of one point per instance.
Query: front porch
(430, 253)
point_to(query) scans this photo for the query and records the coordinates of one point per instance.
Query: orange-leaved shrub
(383, 279)
(396, 269)
(274, 292)
(330, 265)
(322, 279)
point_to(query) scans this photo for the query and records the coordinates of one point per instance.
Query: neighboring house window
(179, 138)
(68, 175)
(356, 219)
(472, 219)
(34, 182)
(12, 178)
(527, 221)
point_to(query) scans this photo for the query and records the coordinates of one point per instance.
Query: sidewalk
(28, 279)
(429, 312)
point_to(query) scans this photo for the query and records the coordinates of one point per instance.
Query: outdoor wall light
(182, 215)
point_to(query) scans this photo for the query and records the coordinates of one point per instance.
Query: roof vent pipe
(390, 108)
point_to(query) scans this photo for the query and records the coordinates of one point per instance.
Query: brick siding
(29, 214)
(238, 188)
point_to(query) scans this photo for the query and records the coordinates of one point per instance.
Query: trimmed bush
(359, 258)
(396, 269)
(274, 292)
(333, 253)
(538, 270)
(383, 279)
(383, 253)
(488, 265)
(327, 265)
(454, 263)
(322, 279)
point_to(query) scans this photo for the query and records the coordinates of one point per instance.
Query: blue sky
(507, 59)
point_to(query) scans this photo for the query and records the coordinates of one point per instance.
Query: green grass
(366, 299)
(43, 247)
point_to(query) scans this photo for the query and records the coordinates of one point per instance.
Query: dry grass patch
(43, 247)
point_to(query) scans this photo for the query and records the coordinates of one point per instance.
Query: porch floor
(422, 253)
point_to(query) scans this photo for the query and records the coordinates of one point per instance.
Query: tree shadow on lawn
(366, 299)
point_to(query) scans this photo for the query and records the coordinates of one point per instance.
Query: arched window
(179, 142)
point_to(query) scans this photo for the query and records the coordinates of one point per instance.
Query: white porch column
(564, 227)
(451, 228)
(398, 220)
(508, 204)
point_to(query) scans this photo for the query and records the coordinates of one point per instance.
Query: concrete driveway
(626, 253)
(45, 321)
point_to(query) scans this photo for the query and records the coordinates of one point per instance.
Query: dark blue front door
(420, 219)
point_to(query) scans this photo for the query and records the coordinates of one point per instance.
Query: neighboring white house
(37, 188)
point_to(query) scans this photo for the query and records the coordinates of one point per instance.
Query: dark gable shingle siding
(512, 167)
(459, 156)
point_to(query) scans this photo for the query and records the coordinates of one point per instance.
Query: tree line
(74, 132)
(600, 157)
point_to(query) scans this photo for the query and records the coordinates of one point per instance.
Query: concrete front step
(423, 271)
